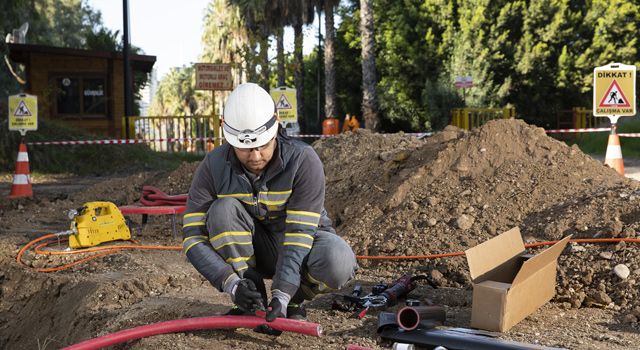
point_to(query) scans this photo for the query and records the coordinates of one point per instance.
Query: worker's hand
(275, 310)
(278, 305)
(247, 297)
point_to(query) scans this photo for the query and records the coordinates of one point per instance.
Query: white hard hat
(249, 117)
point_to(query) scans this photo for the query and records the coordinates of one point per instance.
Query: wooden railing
(469, 118)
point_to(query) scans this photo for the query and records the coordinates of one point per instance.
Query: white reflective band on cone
(402, 346)
(21, 179)
(613, 152)
(23, 157)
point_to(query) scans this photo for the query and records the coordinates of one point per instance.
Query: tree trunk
(298, 75)
(369, 81)
(264, 61)
(329, 58)
(280, 55)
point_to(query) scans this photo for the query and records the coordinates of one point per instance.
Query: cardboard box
(509, 285)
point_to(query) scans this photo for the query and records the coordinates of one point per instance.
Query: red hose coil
(197, 323)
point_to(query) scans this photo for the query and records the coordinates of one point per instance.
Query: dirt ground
(388, 195)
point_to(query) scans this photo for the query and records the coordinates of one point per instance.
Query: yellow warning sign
(23, 112)
(285, 100)
(614, 90)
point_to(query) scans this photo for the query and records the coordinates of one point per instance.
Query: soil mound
(396, 195)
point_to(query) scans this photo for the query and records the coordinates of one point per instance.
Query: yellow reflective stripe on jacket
(199, 223)
(305, 213)
(197, 236)
(230, 243)
(191, 241)
(242, 258)
(299, 239)
(230, 233)
(301, 223)
(298, 244)
(299, 235)
(192, 219)
(274, 197)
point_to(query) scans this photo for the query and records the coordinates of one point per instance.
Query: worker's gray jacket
(288, 200)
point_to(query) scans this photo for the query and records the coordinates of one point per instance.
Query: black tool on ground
(381, 295)
(455, 339)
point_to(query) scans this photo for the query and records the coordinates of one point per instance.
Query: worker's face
(256, 159)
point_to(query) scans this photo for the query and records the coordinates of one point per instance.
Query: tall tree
(613, 38)
(330, 108)
(225, 38)
(369, 80)
(548, 27)
(255, 15)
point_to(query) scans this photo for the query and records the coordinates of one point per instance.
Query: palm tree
(225, 37)
(256, 19)
(329, 58)
(369, 94)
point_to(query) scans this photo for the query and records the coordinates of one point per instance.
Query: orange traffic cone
(21, 179)
(614, 154)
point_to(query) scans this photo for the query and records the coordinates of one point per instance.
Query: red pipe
(197, 323)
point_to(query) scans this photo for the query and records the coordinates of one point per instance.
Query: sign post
(464, 82)
(286, 106)
(213, 76)
(614, 96)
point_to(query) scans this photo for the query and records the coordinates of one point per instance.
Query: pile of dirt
(396, 195)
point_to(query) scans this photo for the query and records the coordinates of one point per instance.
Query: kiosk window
(81, 96)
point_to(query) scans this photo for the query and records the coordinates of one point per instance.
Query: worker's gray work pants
(243, 242)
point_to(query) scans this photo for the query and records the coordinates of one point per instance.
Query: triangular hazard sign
(22, 110)
(283, 103)
(614, 97)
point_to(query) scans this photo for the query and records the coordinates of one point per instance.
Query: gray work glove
(278, 305)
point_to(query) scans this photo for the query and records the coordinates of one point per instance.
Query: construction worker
(256, 210)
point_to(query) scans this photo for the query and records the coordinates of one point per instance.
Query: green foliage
(176, 95)
(535, 55)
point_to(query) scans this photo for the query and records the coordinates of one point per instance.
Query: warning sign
(283, 103)
(23, 112)
(614, 90)
(285, 99)
(213, 76)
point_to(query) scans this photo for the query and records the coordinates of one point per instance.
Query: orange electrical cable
(102, 251)
(531, 245)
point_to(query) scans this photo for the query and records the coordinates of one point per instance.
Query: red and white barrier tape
(577, 130)
(140, 141)
(119, 141)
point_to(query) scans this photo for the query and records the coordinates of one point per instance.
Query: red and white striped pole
(21, 186)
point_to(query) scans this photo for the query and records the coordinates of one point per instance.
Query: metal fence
(188, 134)
(469, 118)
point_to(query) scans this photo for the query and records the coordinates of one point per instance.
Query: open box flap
(490, 254)
(539, 261)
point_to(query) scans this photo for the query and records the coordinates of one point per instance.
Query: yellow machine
(95, 223)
